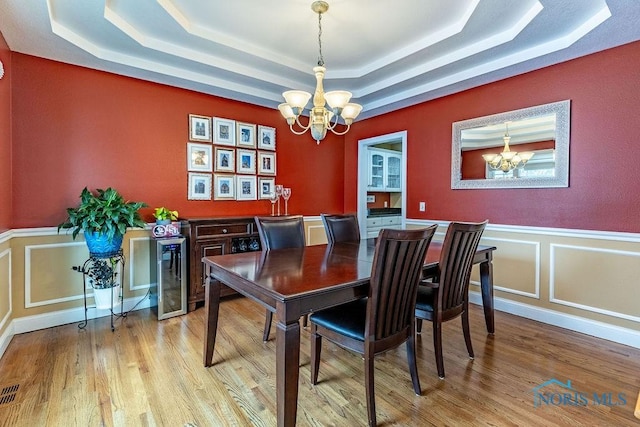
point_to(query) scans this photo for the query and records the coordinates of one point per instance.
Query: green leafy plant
(105, 212)
(163, 213)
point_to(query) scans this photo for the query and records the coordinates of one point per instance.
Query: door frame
(363, 145)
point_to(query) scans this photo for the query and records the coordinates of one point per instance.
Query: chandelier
(320, 118)
(507, 160)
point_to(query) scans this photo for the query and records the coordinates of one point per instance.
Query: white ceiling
(389, 53)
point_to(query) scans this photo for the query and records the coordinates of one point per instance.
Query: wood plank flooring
(150, 373)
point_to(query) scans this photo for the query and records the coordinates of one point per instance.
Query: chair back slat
(456, 259)
(396, 271)
(341, 228)
(281, 232)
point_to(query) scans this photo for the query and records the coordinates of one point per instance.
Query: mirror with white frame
(527, 148)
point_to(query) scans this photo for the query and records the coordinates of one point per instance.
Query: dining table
(295, 282)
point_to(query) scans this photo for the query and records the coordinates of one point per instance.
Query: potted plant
(164, 216)
(103, 217)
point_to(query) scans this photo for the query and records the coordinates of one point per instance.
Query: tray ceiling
(390, 54)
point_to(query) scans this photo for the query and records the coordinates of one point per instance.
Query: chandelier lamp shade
(321, 118)
(507, 160)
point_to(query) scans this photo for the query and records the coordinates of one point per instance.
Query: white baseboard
(5, 339)
(594, 328)
(62, 317)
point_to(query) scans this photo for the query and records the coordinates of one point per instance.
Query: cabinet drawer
(217, 230)
(383, 221)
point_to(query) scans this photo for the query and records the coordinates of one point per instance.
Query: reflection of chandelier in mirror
(319, 117)
(507, 160)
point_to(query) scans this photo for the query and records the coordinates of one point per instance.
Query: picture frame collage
(229, 159)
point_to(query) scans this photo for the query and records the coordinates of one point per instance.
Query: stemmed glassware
(273, 198)
(286, 193)
(278, 194)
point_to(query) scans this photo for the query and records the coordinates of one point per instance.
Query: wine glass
(273, 198)
(279, 188)
(286, 193)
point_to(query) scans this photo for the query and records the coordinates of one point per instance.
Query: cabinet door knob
(224, 230)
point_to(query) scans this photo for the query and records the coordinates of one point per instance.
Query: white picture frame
(246, 161)
(266, 163)
(245, 135)
(224, 187)
(246, 187)
(224, 160)
(199, 186)
(199, 158)
(199, 128)
(224, 131)
(266, 186)
(266, 138)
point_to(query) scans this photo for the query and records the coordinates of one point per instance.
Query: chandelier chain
(320, 58)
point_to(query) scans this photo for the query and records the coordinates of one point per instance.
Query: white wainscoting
(603, 318)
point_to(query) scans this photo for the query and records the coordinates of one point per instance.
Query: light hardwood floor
(150, 373)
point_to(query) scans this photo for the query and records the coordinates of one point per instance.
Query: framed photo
(246, 187)
(199, 128)
(266, 163)
(266, 138)
(246, 161)
(224, 187)
(224, 160)
(266, 186)
(225, 131)
(199, 157)
(199, 186)
(246, 135)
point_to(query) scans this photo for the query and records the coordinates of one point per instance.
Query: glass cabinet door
(376, 171)
(393, 182)
(170, 294)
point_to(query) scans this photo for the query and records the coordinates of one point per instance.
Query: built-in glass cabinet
(384, 168)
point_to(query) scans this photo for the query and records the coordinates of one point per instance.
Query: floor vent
(8, 394)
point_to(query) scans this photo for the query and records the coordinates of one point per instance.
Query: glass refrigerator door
(171, 277)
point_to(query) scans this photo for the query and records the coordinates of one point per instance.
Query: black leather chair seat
(426, 298)
(347, 319)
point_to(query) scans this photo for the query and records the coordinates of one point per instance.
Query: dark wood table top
(287, 274)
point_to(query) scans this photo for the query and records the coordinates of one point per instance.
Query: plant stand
(94, 262)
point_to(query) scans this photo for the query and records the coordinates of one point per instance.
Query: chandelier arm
(340, 133)
(304, 128)
(302, 132)
(329, 126)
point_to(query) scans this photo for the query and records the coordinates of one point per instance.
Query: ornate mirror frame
(561, 178)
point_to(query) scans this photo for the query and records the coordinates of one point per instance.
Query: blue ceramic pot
(100, 246)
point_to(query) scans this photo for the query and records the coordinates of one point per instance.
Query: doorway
(396, 139)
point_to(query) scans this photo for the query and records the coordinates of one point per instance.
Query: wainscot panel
(577, 279)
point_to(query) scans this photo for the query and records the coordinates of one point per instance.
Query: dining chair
(447, 296)
(385, 318)
(279, 232)
(341, 228)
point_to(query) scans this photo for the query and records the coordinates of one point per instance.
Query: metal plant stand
(103, 265)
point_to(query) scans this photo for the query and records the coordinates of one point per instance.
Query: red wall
(604, 176)
(75, 127)
(5, 137)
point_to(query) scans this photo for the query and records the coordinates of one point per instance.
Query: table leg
(287, 368)
(486, 286)
(211, 306)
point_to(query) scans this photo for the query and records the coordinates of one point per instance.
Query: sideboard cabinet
(215, 236)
